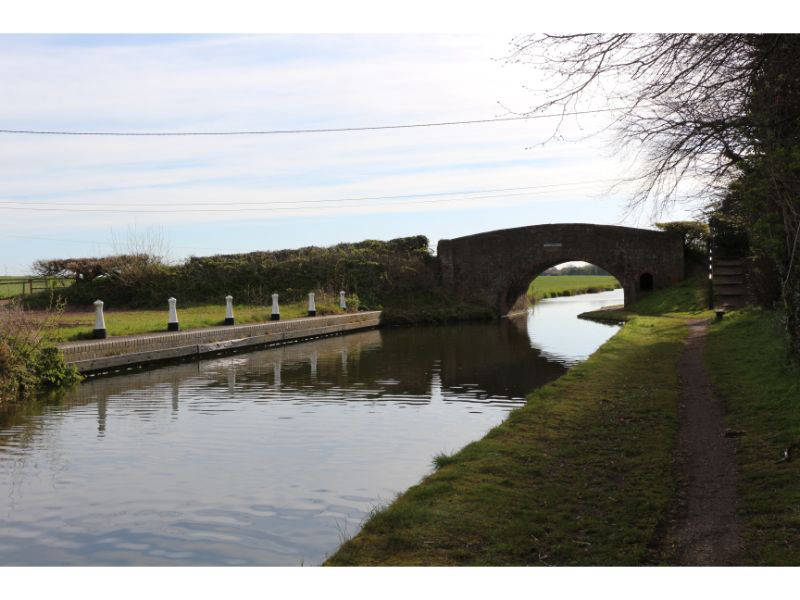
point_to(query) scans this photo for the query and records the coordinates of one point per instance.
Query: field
(11, 285)
(551, 286)
(8, 289)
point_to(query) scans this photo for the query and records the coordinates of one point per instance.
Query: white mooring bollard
(276, 310)
(99, 332)
(172, 321)
(229, 320)
(312, 306)
(342, 302)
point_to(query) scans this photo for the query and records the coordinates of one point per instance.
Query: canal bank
(125, 352)
(583, 474)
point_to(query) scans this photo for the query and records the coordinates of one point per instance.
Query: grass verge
(747, 358)
(552, 286)
(582, 475)
(79, 325)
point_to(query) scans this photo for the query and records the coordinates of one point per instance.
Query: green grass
(9, 289)
(434, 307)
(583, 474)
(442, 460)
(688, 298)
(552, 286)
(75, 326)
(746, 354)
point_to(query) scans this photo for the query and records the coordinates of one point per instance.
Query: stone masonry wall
(496, 267)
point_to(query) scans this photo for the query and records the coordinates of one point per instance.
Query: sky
(90, 195)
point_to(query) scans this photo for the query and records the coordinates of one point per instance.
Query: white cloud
(268, 82)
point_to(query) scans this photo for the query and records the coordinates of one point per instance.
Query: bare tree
(151, 242)
(679, 100)
(722, 110)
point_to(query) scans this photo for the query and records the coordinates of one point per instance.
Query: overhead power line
(262, 203)
(296, 131)
(267, 208)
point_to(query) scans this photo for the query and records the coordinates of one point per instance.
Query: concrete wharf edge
(97, 356)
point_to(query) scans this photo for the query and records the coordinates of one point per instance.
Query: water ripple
(268, 457)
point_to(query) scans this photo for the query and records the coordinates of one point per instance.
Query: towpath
(705, 531)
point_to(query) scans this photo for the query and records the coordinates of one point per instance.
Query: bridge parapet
(496, 267)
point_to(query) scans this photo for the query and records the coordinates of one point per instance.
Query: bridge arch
(496, 267)
(517, 292)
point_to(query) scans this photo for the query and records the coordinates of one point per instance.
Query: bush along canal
(271, 457)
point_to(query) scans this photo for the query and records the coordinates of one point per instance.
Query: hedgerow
(375, 271)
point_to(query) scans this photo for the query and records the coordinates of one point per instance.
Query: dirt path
(705, 532)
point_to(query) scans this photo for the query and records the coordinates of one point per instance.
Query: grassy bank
(582, 475)
(79, 325)
(431, 307)
(552, 286)
(688, 298)
(747, 358)
(436, 306)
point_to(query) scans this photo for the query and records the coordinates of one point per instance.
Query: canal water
(269, 457)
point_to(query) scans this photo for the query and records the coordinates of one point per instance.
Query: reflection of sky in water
(265, 457)
(553, 328)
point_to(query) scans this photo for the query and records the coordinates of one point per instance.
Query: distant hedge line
(376, 271)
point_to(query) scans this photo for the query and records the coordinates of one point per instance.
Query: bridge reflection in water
(257, 458)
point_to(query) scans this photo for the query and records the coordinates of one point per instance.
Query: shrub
(696, 236)
(27, 361)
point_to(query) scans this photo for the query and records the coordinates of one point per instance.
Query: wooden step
(730, 291)
(728, 262)
(728, 271)
(728, 279)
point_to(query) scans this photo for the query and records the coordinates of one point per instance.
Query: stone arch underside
(517, 291)
(496, 267)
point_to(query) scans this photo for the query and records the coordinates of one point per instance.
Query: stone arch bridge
(495, 268)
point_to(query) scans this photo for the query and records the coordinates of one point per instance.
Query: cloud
(272, 82)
